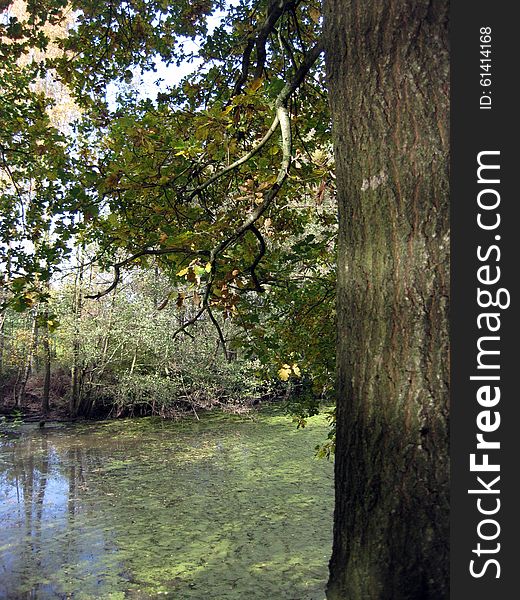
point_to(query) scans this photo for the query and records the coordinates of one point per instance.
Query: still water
(228, 507)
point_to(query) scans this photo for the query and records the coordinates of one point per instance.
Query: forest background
(115, 187)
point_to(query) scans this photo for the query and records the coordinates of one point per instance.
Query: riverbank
(144, 395)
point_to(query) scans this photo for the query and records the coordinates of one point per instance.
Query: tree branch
(192, 321)
(219, 332)
(256, 262)
(281, 120)
(146, 252)
(238, 162)
(259, 37)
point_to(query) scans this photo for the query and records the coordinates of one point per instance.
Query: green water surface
(225, 508)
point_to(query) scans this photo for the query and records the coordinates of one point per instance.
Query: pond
(225, 507)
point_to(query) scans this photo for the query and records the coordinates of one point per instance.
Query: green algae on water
(228, 507)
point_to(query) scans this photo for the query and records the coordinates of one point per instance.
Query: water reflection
(41, 482)
(221, 509)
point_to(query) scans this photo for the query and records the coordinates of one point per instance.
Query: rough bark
(388, 77)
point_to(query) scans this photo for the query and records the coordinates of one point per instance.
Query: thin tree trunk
(46, 345)
(75, 398)
(388, 76)
(2, 341)
(3, 314)
(20, 391)
(47, 369)
(35, 363)
(3, 297)
(134, 360)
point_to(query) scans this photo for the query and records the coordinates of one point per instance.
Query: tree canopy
(221, 177)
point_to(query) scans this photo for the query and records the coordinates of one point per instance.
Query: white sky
(151, 83)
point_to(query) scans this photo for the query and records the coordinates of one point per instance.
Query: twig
(220, 334)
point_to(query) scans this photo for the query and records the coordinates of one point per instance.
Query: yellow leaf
(183, 272)
(201, 133)
(284, 373)
(315, 14)
(255, 84)
(208, 267)
(296, 370)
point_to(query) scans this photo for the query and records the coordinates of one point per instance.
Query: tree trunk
(31, 351)
(77, 309)
(388, 77)
(2, 341)
(47, 368)
(35, 363)
(3, 297)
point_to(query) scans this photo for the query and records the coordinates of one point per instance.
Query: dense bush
(191, 386)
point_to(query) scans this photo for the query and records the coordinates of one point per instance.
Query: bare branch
(308, 60)
(256, 262)
(145, 252)
(219, 332)
(112, 286)
(192, 321)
